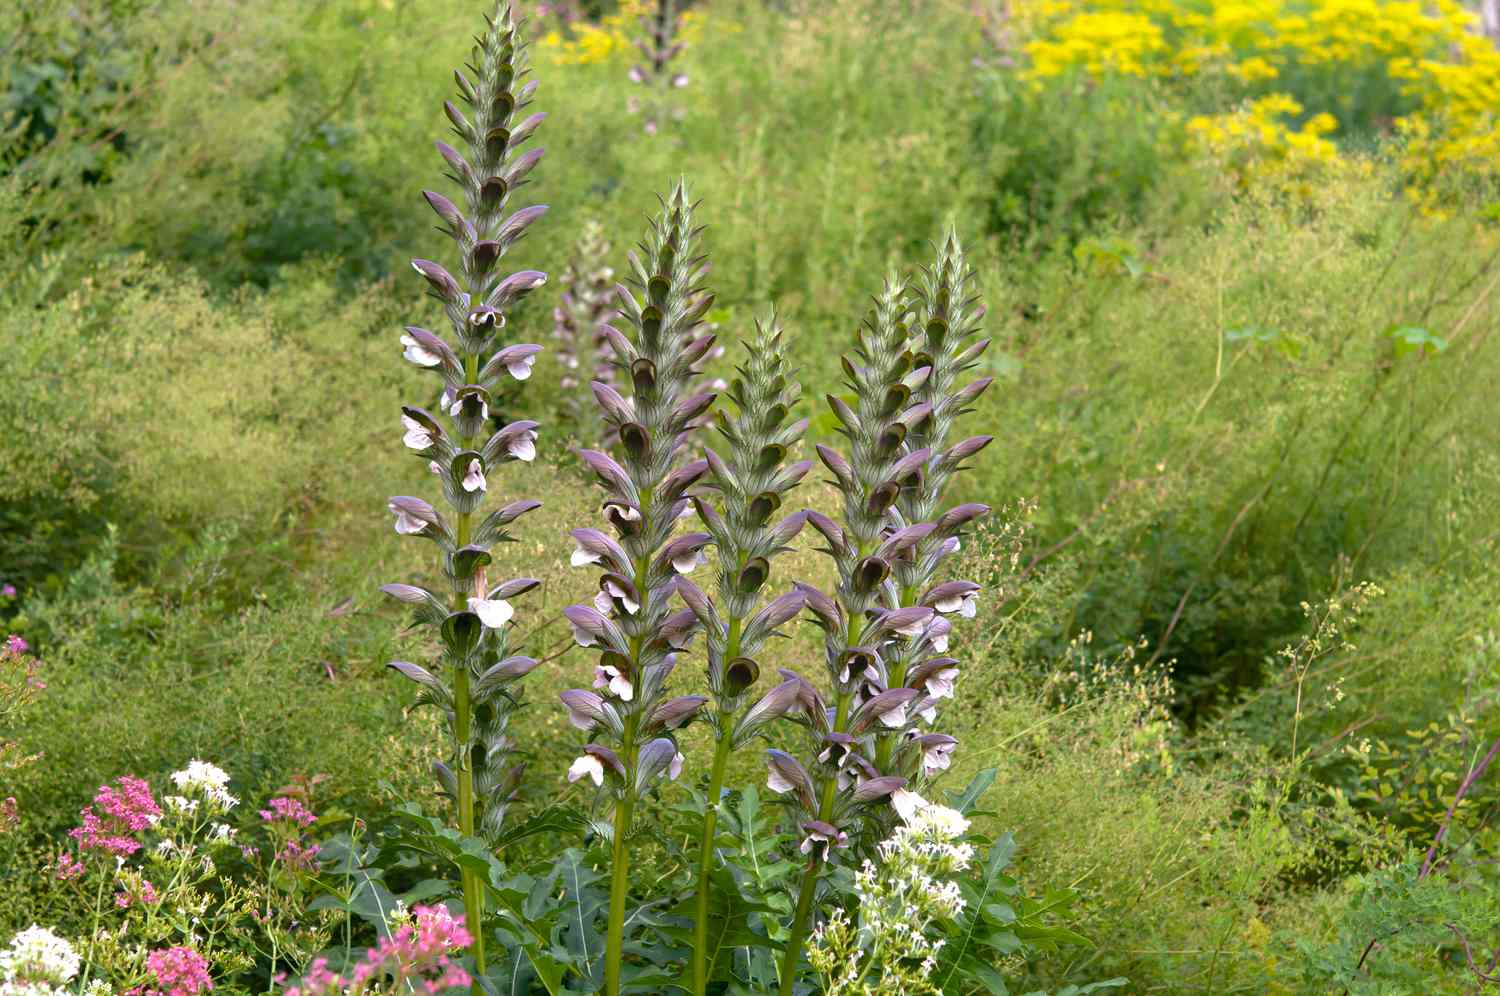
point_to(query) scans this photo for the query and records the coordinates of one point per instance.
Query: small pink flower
(68, 867)
(284, 809)
(180, 971)
(16, 645)
(295, 854)
(8, 591)
(116, 815)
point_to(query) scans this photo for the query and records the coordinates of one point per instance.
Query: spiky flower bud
(583, 307)
(646, 479)
(750, 482)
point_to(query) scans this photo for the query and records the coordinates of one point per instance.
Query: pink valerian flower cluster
(284, 809)
(179, 971)
(147, 894)
(286, 816)
(296, 854)
(16, 645)
(68, 867)
(116, 815)
(414, 958)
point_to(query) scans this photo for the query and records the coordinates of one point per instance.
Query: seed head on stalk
(475, 685)
(839, 789)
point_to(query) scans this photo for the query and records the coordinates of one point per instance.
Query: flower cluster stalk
(750, 482)
(944, 321)
(660, 44)
(837, 791)
(631, 718)
(461, 450)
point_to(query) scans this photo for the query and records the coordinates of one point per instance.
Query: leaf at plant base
(729, 913)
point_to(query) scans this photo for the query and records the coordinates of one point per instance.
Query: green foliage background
(206, 210)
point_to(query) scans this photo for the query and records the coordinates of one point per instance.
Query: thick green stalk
(710, 826)
(463, 722)
(799, 927)
(619, 880)
(800, 916)
(619, 883)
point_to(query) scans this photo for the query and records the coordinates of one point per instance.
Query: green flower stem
(619, 880)
(710, 826)
(800, 917)
(463, 722)
(798, 937)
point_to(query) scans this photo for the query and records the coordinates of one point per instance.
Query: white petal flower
(587, 765)
(603, 603)
(936, 758)
(41, 957)
(474, 477)
(417, 436)
(493, 612)
(582, 637)
(609, 676)
(416, 353)
(616, 590)
(685, 563)
(522, 446)
(435, 467)
(521, 369)
(894, 718)
(582, 557)
(675, 768)
(940, 684)
(928, 714)
(406, 523)
(907, 804)
(777, 782)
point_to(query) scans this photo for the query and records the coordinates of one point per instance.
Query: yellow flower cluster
(1255, 142)
(587, 42)
(1428, 54)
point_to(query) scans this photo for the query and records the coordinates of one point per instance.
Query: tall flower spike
(660, 45)
(865, 617)
(750, 481)
(945, 315)
(657, 339)
(583, 307)
(474, 686)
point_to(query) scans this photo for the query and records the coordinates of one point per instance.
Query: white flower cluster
(37, 963)
(900, 898)
(201, 779)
